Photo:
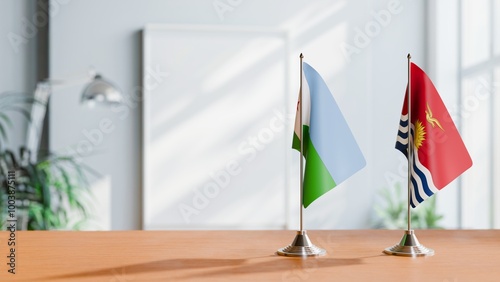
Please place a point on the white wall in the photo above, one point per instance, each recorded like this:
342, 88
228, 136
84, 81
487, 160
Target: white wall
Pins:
17, 57
468, 90
368, 86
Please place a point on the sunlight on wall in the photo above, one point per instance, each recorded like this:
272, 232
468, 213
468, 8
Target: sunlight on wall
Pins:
223, 100
219, 154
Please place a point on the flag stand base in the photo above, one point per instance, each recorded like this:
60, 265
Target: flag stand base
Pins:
301, 247
409, 247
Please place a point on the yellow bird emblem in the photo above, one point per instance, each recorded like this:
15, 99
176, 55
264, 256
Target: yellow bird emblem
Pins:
432, 120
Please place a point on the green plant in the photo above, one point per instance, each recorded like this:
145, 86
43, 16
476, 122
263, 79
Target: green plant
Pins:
47, 189
51, 192
393, 213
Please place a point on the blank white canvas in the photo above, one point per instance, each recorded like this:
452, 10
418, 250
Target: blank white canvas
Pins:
215, 128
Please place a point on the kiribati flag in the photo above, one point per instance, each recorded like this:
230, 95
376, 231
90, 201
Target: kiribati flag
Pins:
439, 154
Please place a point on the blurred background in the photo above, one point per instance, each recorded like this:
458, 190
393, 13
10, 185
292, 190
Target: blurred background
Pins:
201, 136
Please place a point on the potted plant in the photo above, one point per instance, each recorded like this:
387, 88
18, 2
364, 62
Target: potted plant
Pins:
52, 192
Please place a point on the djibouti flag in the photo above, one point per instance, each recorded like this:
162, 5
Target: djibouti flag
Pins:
330, 150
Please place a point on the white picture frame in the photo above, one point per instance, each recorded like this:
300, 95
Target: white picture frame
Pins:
208, 93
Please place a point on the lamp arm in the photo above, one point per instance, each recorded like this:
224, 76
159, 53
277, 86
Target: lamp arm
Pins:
62, 83
39, 109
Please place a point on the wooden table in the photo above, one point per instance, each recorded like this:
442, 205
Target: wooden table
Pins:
461, 255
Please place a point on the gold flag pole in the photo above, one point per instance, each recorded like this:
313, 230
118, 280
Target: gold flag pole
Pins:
409, 245
301, 245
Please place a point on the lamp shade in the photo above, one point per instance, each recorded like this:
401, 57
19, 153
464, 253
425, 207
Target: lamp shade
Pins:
102, 91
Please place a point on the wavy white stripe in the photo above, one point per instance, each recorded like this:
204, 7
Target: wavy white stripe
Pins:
420, 188
428, 176
405, 128
401, 140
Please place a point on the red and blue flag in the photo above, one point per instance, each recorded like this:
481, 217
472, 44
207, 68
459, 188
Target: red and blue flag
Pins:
439, 154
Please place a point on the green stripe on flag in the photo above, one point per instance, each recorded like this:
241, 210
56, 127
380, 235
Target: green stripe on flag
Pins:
317, 179
296, 142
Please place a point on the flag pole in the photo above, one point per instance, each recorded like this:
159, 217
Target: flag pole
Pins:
301, 245
410, 143
409, 246
301, 185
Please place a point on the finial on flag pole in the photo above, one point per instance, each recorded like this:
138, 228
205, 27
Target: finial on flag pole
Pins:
409, 245
301, 245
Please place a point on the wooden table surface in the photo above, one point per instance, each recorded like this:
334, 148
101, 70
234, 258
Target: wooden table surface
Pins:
354, 255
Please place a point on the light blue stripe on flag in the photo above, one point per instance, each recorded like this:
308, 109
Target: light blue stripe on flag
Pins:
329, 131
